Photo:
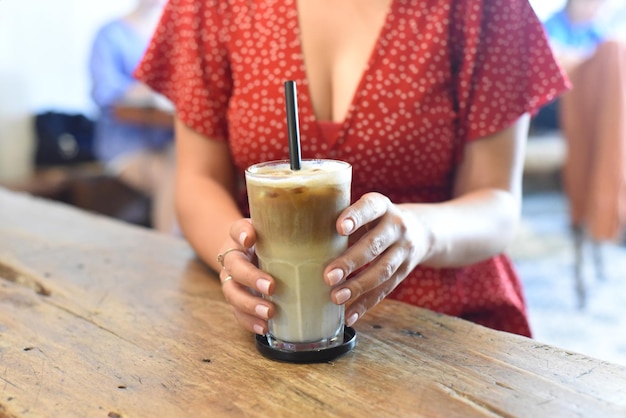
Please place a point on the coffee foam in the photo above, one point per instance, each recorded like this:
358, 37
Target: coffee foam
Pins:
281, 175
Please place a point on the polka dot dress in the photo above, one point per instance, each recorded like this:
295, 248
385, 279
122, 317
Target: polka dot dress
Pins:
442, 73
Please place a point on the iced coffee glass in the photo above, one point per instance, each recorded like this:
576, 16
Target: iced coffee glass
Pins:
294, 214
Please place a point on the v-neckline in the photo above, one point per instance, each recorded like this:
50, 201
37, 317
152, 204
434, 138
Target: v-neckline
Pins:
373, 55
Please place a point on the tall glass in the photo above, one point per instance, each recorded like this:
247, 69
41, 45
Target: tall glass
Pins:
294, 214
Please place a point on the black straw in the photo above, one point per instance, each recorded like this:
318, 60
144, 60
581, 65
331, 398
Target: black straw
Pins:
293, 129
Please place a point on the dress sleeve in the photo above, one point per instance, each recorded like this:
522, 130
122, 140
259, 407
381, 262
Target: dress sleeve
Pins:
187, 61
502, 63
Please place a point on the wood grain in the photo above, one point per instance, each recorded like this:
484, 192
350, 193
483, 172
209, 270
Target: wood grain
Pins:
100, 318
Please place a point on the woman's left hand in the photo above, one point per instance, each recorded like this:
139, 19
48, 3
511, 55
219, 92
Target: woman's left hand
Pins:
390, 243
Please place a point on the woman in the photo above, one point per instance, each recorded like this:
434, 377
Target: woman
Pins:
427, 100
591, 117
574, 34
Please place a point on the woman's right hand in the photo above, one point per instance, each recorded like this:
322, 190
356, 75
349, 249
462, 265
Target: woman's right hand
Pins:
243, 283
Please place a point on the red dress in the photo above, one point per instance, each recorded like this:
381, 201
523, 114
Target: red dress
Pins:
442, 73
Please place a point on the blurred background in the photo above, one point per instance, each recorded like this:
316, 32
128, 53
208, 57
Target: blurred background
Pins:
44, 53
44, 49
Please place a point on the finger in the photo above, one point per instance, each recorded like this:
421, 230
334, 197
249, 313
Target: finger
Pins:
369, 207
245, 302
375, 275
250, 322
233, 255
368, 300
360, 233
242, 232
361, 305
361, 253
238, 264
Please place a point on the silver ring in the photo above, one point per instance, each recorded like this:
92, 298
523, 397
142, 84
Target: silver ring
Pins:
222, 256
227, 278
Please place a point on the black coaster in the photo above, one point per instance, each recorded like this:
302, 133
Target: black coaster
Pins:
315, 356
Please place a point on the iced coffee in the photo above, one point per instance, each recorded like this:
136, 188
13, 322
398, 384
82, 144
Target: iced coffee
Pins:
294, 214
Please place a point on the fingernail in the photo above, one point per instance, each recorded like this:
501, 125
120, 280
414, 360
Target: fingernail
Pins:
343, 295
258, 329
335, 276
242, 239
347, 226
263, 286
352, 319
262, 311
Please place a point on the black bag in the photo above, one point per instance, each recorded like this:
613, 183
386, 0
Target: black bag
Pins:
63, 139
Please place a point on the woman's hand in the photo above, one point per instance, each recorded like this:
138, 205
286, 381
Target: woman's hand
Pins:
391, 240
390, 243
243, 283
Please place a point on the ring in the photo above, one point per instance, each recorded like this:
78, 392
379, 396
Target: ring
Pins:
222, 256
227, 278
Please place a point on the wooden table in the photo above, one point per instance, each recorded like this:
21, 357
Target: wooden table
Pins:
103, 319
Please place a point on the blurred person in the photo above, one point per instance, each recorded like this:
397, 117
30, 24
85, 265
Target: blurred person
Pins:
428, 101
592, 118
574, 33
138, 154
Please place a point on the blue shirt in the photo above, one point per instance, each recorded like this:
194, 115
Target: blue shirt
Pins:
116, 51
583, 37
